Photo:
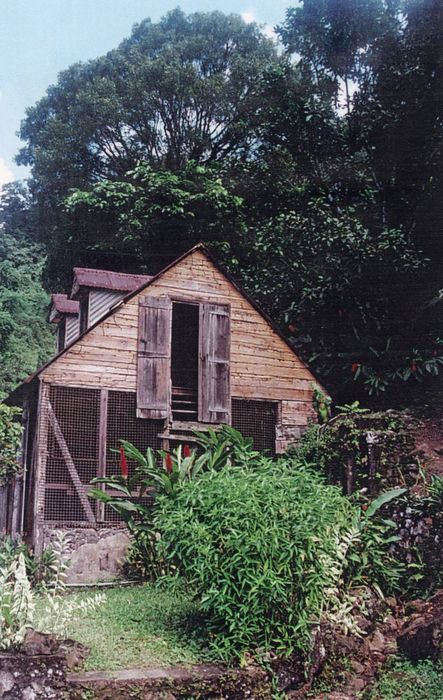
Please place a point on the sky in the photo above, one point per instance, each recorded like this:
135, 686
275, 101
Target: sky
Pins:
40, 38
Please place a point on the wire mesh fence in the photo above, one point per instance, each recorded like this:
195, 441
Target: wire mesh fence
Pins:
73, 446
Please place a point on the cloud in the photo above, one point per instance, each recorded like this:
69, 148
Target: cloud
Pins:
248, 16
6, 174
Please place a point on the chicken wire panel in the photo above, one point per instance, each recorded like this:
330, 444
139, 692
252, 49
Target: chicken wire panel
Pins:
256, 420
77, 412
123, 424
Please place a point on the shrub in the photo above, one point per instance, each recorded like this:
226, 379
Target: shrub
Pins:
10, 441
39, 568
16, 603
17, 599
255, 547
159, 472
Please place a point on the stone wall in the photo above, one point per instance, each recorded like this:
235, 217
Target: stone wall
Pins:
96, 554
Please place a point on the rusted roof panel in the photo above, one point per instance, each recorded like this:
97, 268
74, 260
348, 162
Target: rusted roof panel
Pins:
63, 305
107, 279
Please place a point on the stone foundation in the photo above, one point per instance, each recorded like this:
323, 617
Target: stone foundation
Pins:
96, 554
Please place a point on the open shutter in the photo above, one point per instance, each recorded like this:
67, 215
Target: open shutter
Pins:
214, 384
154, 357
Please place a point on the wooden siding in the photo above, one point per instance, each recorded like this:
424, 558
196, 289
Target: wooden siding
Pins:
262, 365
100, 301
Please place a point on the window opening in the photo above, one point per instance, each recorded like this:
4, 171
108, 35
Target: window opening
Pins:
84, 311
184, 361
61, 335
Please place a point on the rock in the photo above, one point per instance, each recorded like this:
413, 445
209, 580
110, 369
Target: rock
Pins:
28, 694
422, 638
38, 644
356, 686
74, 652
99, 561
6, 682
377, 642
357, 667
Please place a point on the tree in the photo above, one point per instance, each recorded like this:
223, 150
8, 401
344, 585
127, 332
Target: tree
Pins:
174, 91
331, 37
26, 340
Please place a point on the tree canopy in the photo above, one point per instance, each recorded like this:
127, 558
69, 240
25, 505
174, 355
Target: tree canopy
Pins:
26, 340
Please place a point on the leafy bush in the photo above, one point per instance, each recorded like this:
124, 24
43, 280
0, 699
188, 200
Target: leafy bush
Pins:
17, 599
39, 568
255, 547
16, 603
10, 441
159, 472
371, 561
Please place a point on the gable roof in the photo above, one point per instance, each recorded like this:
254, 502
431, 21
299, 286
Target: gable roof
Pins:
106, 279
150, 280
63, 305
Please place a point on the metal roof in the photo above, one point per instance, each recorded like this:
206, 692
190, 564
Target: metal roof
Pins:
107, 279
63, 305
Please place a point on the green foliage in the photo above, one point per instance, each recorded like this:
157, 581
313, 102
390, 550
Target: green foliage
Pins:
371, 562
402, 679
154, 215
39, 568
16, 603
252, 544
158, 473
227, 447
360, 449
420, 517
10, 442
175, 91
26, 340
332, 37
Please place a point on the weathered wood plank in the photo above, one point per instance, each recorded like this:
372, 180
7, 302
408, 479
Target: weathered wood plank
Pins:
102, 447
39, 467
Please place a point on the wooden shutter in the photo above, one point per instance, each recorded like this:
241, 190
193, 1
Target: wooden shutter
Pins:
154, 357
214, 381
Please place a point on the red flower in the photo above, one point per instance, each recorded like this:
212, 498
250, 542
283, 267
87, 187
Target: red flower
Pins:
354, 367
364, 507
123, 463
292, 328
413, 366
168, 463
186, 451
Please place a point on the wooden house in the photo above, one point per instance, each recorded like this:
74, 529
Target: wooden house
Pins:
147, 359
